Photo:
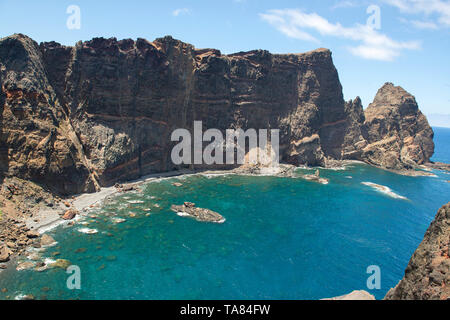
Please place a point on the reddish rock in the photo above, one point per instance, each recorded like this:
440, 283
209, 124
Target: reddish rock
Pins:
70, 214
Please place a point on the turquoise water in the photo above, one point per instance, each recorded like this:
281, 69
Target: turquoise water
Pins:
284, 238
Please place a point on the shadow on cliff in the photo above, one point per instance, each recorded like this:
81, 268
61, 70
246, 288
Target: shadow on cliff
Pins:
4, 161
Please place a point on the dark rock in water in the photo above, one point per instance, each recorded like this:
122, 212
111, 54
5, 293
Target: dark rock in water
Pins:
190, 210
427, 276
438, 166
316, 178
61, 263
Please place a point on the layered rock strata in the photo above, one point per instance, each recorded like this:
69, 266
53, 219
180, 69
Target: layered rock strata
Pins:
74, 119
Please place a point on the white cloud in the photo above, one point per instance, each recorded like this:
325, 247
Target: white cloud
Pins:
420, 24
424, 25
344, 4
437, 9
181, 11
374, 45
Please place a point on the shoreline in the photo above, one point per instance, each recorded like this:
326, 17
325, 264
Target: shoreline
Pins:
51, 218
48, 219
83, 202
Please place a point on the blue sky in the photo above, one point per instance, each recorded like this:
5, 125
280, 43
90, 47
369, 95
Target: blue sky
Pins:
410, 48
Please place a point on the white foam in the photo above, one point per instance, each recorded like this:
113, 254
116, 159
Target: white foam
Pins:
183, 214
88, 231
49, 261
135, 201
20, 296
385, 190
118, 220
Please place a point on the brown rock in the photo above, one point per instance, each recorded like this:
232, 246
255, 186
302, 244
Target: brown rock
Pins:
33, 234
70, 214
5, 253
427, 276
69, 144
47, 240
398, 134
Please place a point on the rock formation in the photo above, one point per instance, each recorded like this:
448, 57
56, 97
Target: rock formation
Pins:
427, 276
74, 119
204, 215
398, 134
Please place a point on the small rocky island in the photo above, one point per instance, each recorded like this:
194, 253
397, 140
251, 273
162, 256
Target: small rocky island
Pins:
189, 209
316, 178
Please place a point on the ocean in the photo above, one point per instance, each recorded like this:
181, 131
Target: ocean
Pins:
283, 238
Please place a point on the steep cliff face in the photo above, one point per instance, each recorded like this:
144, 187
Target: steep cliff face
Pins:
354, 140
427, 275
398, 134
76, 118
36, 138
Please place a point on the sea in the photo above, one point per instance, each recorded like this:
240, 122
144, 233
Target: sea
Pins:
283, 238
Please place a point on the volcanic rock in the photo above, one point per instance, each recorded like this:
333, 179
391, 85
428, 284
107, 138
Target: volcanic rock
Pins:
427, 276
205, 215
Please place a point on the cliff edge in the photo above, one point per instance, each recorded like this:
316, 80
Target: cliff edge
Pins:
74, 119
427, 276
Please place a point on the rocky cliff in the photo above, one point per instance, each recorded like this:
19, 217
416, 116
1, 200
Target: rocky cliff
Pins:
398, 134
427, 275
77, 118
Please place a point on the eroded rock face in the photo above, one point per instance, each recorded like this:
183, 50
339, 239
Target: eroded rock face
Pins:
77, 118
398, 134
427, 276
354, 140
37, 141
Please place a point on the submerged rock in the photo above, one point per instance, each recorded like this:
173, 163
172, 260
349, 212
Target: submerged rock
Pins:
61, 263
25, 266
47, 240
189, 209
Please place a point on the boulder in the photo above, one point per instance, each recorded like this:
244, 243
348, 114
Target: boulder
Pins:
70, 214
25, 266
33, 234
61, 263
47, 240
5, 253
